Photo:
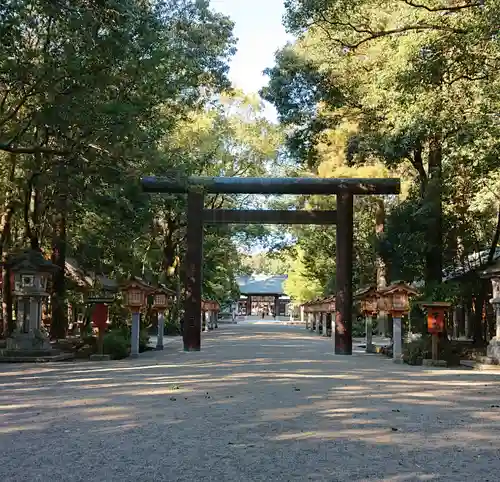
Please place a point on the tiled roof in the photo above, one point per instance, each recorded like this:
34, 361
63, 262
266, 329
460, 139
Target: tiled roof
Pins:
262, 284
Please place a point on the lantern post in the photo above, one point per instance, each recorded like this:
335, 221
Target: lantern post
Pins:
330, 311
162, 299
395, 299
368, 298
135, 292
436, 311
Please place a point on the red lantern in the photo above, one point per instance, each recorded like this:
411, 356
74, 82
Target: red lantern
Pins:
100, 316
435, 322
435, 315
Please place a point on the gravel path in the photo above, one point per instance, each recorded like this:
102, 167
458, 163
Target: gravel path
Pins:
259, 403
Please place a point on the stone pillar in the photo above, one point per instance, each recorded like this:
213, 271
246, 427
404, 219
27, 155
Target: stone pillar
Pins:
369, 319
302, 318
493, 349
325, 324
136, 323
466, 322
276, 306
21, 315
397, 338
34, 313
320, 324
161, 329
455, 317
249, 305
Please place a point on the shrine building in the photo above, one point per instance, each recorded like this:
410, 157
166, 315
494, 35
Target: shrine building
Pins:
263, 294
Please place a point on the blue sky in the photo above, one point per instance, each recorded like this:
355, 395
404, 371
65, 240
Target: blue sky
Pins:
260, 33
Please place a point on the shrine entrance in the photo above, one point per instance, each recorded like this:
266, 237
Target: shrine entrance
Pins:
197, 216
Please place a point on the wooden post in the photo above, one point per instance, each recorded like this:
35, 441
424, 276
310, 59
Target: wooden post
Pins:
100, 340
343, 303
194, 259
435, 347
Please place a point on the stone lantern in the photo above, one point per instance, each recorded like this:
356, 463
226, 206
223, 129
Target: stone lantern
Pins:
369, 301
135, 293
162, 299
31, 272
493, 274
395, 299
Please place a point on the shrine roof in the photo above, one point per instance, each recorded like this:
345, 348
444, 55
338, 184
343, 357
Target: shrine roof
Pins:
262, 284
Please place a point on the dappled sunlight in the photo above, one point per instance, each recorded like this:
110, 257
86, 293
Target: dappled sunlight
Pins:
262, 395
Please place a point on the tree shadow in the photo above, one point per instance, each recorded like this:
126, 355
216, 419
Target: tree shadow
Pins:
257, 403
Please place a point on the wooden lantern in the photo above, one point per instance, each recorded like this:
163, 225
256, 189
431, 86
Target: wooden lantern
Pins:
369, 300
162, 298
135, 293
396, 298
383, 302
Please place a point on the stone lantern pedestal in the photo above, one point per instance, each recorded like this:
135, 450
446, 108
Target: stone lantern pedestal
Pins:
493, 351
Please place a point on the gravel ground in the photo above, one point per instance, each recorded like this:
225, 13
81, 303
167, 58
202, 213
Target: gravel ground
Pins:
259, 403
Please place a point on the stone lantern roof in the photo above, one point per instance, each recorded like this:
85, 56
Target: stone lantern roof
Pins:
492, 271
30, 261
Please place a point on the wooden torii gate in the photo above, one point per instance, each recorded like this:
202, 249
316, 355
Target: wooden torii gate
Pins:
197, 186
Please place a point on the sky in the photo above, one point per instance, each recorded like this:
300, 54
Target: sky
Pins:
260, 33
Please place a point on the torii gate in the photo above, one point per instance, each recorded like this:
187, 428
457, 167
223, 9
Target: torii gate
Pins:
197, 186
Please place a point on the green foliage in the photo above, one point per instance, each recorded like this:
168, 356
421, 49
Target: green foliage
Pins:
172, 328
143, 340
367, 89
417, 350
116, 345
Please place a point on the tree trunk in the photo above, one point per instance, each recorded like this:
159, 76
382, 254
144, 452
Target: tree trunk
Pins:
59, 324
433, 200
379, 232
382, 319
6, 322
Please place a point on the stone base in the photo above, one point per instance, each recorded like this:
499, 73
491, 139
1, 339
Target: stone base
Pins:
134, 355
159, 347
33, 356
370, 348
434, 363
97, 357
493, 350
399, 361
479, 366
28, 341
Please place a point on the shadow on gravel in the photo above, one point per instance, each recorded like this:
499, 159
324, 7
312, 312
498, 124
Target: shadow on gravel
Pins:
257, 403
